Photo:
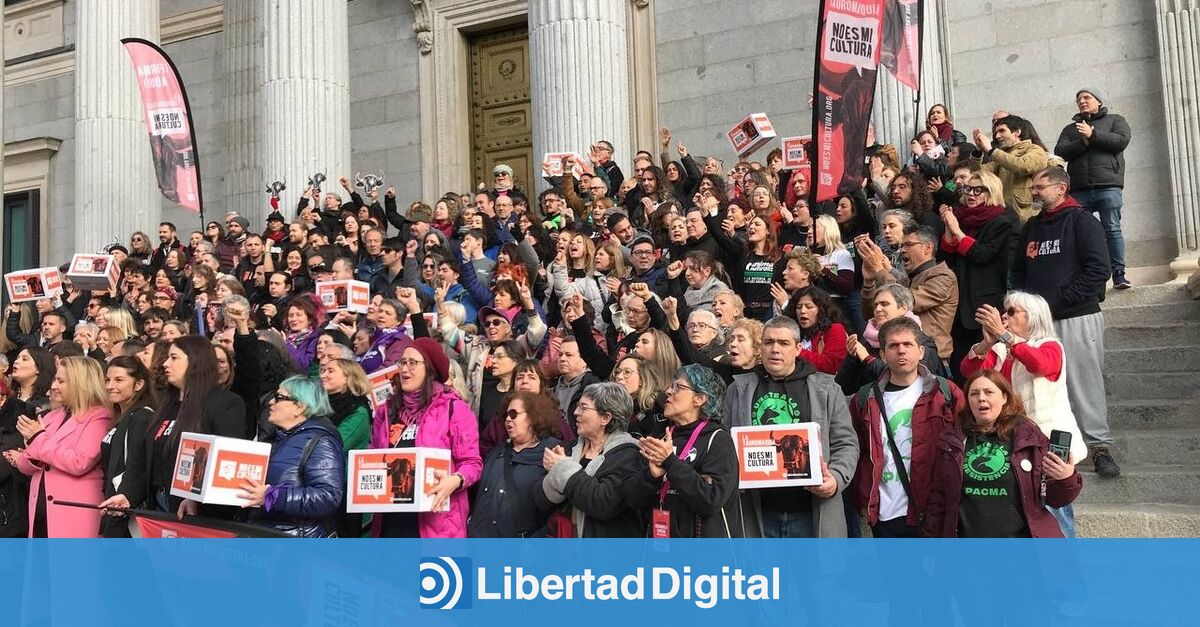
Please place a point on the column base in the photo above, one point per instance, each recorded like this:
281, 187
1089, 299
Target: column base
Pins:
1185, 267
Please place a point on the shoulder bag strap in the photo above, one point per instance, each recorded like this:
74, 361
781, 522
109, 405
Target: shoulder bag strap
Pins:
891, 439
666, 484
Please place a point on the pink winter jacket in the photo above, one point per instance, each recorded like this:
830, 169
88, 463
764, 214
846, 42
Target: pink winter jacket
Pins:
456, 430
67, 453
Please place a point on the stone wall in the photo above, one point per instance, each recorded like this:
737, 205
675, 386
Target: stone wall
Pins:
46, 108
385, 111
718, 61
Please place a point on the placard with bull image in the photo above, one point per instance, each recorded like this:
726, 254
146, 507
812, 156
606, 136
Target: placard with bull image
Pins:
395, 479
210, 468
778, 456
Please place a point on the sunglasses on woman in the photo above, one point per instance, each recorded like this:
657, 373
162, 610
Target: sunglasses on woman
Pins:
974, 190
279, 398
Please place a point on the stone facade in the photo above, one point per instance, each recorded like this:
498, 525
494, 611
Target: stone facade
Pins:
715, 61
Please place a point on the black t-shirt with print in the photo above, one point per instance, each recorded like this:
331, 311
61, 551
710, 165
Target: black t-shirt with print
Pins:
401, 524
991, 501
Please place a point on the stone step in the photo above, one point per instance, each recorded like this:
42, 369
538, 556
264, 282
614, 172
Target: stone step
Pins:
1146, 295
1182, 311
1142, 520
1158, 446
1150, 333
1140, 415
1153, 359
1158, 385
1143, 483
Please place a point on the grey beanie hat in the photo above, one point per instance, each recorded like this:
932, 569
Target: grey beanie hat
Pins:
1095, 94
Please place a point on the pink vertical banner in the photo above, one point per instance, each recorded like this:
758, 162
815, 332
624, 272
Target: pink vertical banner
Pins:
169, 123
849, 38
902, 41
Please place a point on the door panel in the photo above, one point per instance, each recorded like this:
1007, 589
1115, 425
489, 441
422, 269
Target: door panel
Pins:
502, 114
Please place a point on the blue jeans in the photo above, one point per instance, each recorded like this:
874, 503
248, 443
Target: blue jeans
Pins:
1066, 519
787, 524
1106, 202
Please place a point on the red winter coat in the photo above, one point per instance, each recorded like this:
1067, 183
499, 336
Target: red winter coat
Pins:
933, 415
1028, 445
828, 349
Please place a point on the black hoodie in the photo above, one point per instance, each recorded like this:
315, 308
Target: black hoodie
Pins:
1063, 258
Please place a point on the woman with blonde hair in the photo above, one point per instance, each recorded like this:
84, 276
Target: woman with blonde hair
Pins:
977, 247
659, 352
445, 213
838, 270
348, 389
122, 319
645, 385
108, 337
62, 452
610, 261
574, 268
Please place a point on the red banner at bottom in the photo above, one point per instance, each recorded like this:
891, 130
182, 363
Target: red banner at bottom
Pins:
155, 528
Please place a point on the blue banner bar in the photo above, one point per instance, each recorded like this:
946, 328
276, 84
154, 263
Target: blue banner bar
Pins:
615, 583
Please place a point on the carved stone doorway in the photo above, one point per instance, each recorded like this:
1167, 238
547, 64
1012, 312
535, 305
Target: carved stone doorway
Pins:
501, 111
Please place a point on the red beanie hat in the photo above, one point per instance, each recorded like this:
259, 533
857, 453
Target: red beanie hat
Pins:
435, 357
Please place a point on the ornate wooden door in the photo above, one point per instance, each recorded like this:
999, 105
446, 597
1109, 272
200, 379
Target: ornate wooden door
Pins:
501, 112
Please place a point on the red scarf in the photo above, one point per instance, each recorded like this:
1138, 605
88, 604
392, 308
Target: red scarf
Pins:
972, 220
945, 131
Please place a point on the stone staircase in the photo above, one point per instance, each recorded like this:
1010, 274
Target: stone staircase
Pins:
1152, 377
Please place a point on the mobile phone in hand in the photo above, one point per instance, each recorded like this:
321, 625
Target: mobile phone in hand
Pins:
1060, 444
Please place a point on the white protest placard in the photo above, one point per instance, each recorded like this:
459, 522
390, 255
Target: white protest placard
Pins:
94, 272
752, 133
210, 468
33, 284
395, 479
777, 456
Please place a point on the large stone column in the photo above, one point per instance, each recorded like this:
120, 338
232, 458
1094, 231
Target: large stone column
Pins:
115, 186
895, 115
2, 142
1179, 58
244, 182
305, 116
580, 76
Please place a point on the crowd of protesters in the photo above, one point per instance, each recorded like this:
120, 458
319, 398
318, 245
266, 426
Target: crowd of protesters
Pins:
593, 344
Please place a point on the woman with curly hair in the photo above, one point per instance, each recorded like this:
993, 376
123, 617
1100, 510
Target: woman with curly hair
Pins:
822, 334
504, 504
140, 247
445, 214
